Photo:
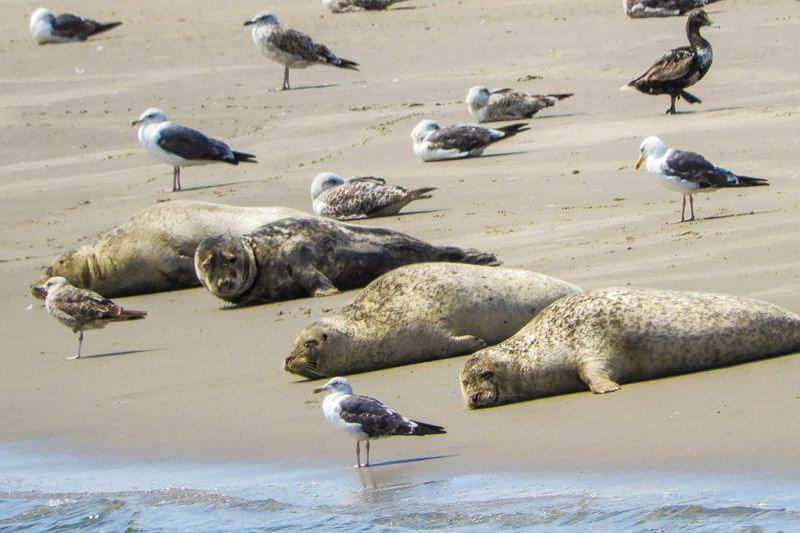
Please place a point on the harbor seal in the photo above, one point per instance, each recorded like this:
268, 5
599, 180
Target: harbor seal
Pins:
297, 257
154, 250
421, 313
619, 335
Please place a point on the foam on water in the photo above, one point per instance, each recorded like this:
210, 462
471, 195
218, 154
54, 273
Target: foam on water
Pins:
42, 491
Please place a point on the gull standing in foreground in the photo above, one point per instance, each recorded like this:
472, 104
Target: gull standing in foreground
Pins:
366, 418
688, 172
66, 28
82, 309
346, 6
291, 48
434, 143
180, 146
360, 197
507, 104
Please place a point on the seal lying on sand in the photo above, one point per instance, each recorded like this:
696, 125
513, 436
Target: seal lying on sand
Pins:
420, 313
608, 336
154, 250
298, 257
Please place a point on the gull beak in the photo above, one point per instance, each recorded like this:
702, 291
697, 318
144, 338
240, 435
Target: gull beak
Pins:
248, 23
39, 291
639, 162
136, 122
320, 389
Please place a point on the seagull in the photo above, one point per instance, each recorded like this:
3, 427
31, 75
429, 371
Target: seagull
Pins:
291, 48
681, 67
366, 418
661, 8
434, 143
507, 104
47, 28
346, 6
688, 172
82, 309
180, 146
360, 196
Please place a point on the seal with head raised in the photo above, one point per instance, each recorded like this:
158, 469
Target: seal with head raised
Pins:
154, 250
604, 337
297, 257
421, 313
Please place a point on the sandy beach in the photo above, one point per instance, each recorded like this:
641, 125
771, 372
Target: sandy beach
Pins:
195, 380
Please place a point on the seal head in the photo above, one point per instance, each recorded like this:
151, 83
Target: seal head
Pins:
225, 265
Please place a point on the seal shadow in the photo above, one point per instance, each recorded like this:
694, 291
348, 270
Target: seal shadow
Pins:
112, 354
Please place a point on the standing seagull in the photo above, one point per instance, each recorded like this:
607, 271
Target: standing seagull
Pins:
688, 172
679, 68
47, 28
366, 418
82, 309
360, 197
346, 6
434, 143
507, 104
291, 48
180, 146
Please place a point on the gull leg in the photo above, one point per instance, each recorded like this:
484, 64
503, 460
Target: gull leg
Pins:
683, 212
691, 205
80, 342
176, 179
286, 78
367, 463
358, 453
671, 110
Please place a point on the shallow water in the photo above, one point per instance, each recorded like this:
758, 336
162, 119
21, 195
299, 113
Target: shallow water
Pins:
40, 491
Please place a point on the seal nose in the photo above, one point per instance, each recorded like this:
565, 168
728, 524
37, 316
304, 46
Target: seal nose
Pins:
475, 398
287, 362
224, 283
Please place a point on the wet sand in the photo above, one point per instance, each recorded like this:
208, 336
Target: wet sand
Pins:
193, 380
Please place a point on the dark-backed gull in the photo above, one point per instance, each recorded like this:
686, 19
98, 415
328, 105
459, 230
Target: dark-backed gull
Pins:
346, 6
82, 309
687, 172
681, 67
291, 48
366, 418
434, 143
661, 8
180, 146
360, 196
66, 28
507, 104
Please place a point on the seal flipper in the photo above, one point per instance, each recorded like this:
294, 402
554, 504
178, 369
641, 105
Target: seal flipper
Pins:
307, 276
466, 344
596, 377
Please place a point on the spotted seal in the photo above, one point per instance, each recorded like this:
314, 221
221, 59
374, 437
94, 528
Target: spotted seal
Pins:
618, 335
420, 313
297, 257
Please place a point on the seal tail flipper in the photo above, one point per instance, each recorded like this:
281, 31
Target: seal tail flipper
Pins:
470, 256
597, 378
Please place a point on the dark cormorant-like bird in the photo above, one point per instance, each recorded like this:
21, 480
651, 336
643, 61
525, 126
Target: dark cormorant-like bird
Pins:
681, 67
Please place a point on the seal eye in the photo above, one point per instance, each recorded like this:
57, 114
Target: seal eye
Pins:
487, 374
324, 336
310, 343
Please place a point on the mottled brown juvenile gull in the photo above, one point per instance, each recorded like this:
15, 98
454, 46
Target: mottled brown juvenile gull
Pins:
180, 146
66, 28
347, 6
82, 309
681, 67
434, 143
366, 418
687, 172
507, 104
291, 48
360, 196
661, 8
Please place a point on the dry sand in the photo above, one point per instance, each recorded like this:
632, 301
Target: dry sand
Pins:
195, 381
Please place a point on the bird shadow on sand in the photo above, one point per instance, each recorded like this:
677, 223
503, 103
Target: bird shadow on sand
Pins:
203, 187
403, 461
697, 111
112, 354
732, 215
